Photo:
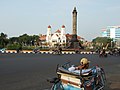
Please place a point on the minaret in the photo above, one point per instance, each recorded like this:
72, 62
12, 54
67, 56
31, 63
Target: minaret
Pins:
74, 21
63, 37
62, 30
48, 37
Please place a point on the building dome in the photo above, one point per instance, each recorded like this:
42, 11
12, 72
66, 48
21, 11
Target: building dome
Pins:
63, 26
49, 26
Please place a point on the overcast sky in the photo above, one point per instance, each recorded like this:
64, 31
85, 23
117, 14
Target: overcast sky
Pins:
18, 17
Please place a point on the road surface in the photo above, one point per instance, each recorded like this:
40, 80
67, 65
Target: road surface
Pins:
30, 71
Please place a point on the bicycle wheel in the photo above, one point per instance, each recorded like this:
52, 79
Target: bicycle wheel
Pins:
57, 86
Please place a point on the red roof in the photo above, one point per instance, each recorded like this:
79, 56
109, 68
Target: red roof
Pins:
58, 31
49, 26
43, 37
78, 37
69, 36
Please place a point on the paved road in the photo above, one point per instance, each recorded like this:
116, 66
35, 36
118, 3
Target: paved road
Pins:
30, 71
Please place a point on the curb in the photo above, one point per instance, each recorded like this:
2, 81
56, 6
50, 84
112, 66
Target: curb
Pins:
47, 52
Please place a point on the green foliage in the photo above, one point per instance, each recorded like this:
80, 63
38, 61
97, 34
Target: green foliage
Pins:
13, 40
18, 42
1, 46
81, 41
3, 40
101, 42
26, 40
28, 47
14, 46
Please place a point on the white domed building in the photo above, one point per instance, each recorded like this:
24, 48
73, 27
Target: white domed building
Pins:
57, 38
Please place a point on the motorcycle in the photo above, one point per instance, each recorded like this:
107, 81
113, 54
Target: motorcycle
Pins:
91, 79
102, 54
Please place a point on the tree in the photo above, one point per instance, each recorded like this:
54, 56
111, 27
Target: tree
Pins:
18, 42
26, 40
13, 40
101, 42
3, 40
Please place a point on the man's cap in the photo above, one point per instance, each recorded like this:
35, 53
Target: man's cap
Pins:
84, 61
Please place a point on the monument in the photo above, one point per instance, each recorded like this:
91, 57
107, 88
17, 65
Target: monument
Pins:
74, 43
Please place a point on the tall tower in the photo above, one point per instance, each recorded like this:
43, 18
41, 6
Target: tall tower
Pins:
74, 43
74, 21
74, 26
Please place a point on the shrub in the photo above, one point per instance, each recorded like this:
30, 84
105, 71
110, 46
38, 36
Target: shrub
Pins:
14, 46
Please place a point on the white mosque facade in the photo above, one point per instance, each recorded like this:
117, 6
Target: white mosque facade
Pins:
57, 38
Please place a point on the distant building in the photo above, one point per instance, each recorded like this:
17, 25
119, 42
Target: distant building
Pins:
112, 32
56, 38
59, 37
